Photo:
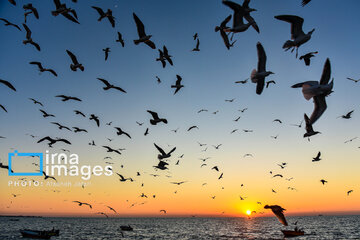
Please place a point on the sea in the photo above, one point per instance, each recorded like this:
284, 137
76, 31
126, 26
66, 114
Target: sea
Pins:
315, 227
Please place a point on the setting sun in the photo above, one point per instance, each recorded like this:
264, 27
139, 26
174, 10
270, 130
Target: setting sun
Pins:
248, 212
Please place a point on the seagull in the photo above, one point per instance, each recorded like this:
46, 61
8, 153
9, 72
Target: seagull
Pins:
229, 100
109, 86
109, 149
309, 129
107, 15
278, 175
217, 146
195, 36
318, 91
75, 64
242, 81
162, 210
178, 183
323, 181
215, 168
77, 112
79, 130
103, 214
167, 56
122, 179
121, 132
258, 76
83, 203
269, 82
45, 114
8, 84
7, 23
120, 39
297, 34
348, 192
354, 80
53, 141
161, 165
243, 110
307, 57
95, 118
162, 154
63, 10
196, 49
106, 50
178, 84
317, 158
158, 80
277, 120
61, 126
142, 35
146, 132
41, 69
248, 155
67, 98
237, 119
47, 176
223, 34
161, 58
279, 213
156, 118
221, 176
350, 140
241, 12
29, 39
347, 116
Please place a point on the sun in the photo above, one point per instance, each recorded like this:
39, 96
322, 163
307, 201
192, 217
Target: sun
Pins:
248, 212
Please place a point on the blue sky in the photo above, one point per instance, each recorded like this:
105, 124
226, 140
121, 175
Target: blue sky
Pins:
208, 76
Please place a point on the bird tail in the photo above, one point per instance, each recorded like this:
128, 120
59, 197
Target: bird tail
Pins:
82, 68
253, 76
164, 120
136, 42
288, 44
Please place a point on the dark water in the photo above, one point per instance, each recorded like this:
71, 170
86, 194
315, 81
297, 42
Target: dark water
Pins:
316, 227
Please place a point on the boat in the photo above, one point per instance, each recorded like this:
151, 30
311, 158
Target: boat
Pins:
292, 233
126, 228
28, 233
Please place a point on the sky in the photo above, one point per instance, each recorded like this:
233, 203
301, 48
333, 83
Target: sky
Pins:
209, 78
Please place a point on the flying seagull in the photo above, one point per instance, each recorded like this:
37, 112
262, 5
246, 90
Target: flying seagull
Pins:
109, 86
318, 91
279, 213
163, 154
307, 57
258, 76
83, 203
75, 64
120, 39
45, 114
196, 49
106, 51
223, 34
156, 118
67, 98
107, 15
178, 84
42, 69
317, 158
53, 141
66, 12
95, 118
142, 35
348, 115
7, 23
29, 39
241, 12
31, 9
304, 2
308, 127
297, 34
121, 132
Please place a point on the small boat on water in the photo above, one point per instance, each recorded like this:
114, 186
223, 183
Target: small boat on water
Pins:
126, 228
28, 233
292, 233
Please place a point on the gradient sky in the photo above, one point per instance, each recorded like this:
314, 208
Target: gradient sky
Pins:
209, 77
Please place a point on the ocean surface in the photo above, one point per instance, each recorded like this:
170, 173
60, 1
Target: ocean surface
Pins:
316, 227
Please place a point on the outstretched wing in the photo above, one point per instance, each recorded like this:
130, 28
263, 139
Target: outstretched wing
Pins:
160, 149
296, 24
319, 108
325, 77
73, 57
99, 10
140, 26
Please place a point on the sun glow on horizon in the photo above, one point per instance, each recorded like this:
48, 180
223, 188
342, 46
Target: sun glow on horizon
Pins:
248, 212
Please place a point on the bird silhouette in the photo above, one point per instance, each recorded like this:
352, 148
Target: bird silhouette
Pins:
347, 116
83, 203
178, 84
68, 13
317, 158
308, 127
307, 57
48, 177
53, 141
67, 98
156, 118
109, 86
279, 213
107, 14
120, 39
95, 118
75, 64
106, 51
31, 9
163, 154
241, 12
121, 132
323, 181
77, 112
143, 37
222, 29
29, 39
7, 23
109, 149
196, 49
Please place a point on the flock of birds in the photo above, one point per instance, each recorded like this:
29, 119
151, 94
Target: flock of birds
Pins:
242, 21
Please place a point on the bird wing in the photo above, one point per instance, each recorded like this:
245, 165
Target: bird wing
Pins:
140, 26
150, 44
325, 77
63, 140
308, 126
111, 20
225, 38
178, 81
280, 215
53, 72
28, 31
261, 57
37, 64
8, 84
73, 57
43, 139
160, 149
36, 45
99, 10
250, 19
153, 114
119, 88
319, 108
57, 4
304, 2
71, 18
172, 150
296, 24
3, 108
238, 12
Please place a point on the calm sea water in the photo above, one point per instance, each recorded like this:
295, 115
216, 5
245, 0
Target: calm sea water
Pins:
316, 227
